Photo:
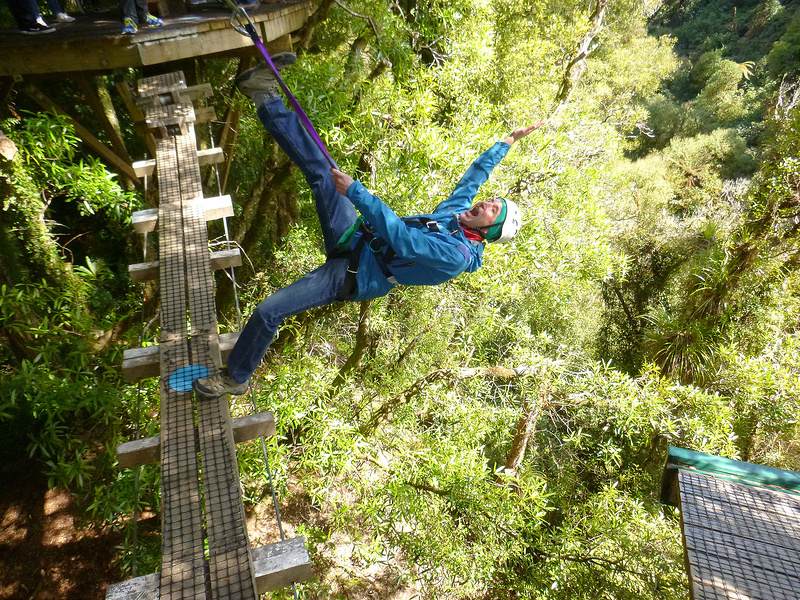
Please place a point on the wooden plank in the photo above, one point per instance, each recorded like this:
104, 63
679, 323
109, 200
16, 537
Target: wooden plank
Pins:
182, 519
226, 39
275, 566
139, 588
143, 363
104, 151
221, 259
204, 114
205, 157
187, 95
172, 114
148, 450
280, 564
216, 207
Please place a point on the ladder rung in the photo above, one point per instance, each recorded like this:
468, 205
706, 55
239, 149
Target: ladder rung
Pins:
141, 363
274, 566
221, 259
148, 450
204, 157
216, 207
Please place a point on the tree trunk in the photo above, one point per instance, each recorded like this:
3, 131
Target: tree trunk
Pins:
577, 65
359, 350
525, 429
315, 19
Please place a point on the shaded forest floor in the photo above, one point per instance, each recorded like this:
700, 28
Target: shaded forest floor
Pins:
45, 554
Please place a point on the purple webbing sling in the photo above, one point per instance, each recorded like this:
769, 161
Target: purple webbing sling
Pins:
295, 104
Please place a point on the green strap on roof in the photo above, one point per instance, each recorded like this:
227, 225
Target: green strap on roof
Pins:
727, 468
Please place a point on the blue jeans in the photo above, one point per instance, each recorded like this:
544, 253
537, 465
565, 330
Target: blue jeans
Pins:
321, 286
24, 12
135, 9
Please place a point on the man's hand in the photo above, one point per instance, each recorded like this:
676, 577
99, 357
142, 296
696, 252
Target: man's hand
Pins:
520, 133
343, 181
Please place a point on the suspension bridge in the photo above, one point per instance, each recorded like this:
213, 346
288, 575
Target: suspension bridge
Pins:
206, 552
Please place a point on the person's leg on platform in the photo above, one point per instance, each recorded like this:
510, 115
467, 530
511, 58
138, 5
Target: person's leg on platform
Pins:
25, 13
318, 288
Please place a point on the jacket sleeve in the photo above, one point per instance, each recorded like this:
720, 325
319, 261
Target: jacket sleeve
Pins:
431, 250
477, 174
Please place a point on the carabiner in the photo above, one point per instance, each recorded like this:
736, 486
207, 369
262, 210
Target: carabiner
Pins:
240, 15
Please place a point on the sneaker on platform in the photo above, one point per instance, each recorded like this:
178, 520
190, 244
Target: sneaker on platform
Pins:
152, 21
129, 26
36, 28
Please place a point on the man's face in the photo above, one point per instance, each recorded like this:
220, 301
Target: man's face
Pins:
482, 214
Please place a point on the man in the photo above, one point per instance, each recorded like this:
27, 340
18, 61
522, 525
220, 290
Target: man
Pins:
367, 255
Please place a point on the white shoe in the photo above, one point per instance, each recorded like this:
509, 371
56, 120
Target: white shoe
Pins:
41, 22
64, 18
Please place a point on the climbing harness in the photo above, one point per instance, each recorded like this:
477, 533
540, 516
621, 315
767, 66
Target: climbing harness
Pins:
242, 23
384, 253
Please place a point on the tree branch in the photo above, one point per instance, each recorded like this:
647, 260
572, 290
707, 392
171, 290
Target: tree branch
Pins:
359, 16
577, 65
360, 348
448, 374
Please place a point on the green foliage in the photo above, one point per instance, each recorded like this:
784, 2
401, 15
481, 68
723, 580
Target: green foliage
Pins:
650, 299
60, 398
782, 59
51, 167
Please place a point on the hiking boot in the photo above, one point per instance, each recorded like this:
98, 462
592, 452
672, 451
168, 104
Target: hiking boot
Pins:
220, 384
258, 83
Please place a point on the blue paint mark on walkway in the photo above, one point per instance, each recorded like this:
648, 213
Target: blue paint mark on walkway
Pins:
182, 379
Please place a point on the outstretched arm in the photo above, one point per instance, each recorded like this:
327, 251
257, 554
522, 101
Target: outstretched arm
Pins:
520, 133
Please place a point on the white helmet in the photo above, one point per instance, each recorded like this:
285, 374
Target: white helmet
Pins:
507, 225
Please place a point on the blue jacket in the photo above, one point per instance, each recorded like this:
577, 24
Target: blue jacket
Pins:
423, 257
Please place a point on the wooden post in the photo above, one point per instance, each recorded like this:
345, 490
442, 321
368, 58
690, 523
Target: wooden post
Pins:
104, 151
230, 129
6, 85
100, 101
136, 113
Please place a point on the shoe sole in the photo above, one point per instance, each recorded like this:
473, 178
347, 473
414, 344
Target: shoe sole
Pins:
255, 79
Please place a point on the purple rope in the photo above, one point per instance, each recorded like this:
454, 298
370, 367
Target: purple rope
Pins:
295, 104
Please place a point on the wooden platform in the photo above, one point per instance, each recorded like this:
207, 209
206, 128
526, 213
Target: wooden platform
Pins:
95, 43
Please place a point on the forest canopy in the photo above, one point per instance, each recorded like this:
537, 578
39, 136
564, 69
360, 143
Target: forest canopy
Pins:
501, 435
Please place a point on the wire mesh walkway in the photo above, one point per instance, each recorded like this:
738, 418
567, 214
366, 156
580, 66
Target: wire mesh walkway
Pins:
201, 495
